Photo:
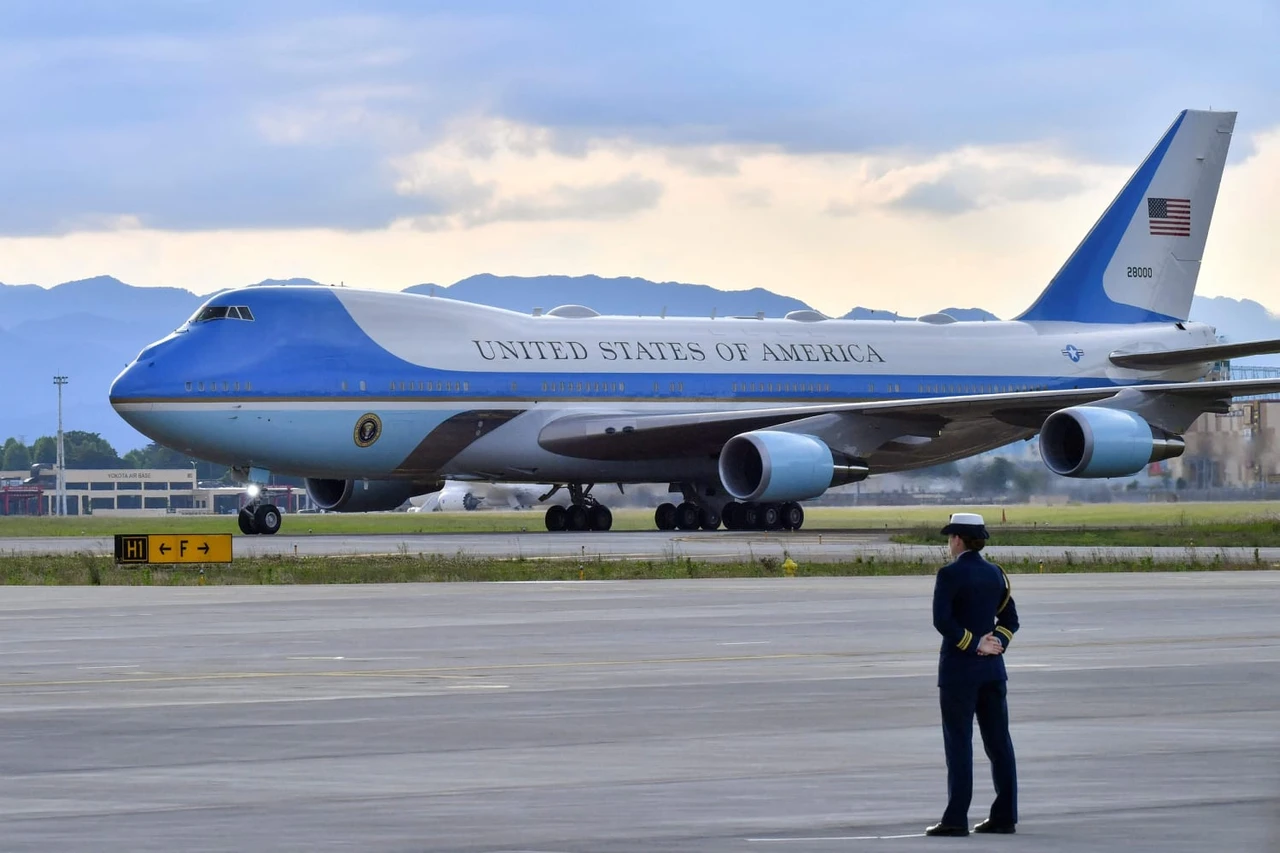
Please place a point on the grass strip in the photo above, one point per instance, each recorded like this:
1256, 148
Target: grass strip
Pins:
86, 569
1249, 534
999, 519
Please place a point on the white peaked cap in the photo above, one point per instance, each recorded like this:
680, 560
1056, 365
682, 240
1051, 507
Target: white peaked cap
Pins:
967, 518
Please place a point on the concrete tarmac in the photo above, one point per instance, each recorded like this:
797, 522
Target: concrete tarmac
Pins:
791, 714
803, 545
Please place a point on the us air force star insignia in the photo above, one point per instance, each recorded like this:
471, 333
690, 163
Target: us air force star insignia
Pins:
1073, 352
368, 428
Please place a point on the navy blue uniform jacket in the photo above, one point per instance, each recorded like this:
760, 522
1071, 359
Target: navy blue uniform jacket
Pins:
972, 598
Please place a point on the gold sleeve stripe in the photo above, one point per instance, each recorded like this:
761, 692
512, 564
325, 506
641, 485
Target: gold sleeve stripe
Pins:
1008, 592
1008, 635
965, 641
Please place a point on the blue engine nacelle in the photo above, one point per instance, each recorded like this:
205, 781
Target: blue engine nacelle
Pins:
1092, 441
364, 495
767, 465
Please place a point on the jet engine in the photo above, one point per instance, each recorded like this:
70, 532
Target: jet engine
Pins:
364, 495
768, 465
1092, 441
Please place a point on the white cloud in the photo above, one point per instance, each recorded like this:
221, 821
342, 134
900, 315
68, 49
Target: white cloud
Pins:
836, 230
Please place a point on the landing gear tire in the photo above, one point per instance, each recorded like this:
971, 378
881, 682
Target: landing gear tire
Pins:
710, 519
599, 517
770, 517
749, 517
266, 518
577, 517
247, 527
792, 516
688, 516
730, 515
557, 518
665, 516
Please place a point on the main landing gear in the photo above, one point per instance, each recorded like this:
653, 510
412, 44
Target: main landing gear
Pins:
583, 513
258, 516
735, 516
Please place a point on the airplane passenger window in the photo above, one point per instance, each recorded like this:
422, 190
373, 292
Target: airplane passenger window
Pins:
188, 386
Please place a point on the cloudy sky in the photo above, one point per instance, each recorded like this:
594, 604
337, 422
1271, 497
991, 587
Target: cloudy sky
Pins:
905, 156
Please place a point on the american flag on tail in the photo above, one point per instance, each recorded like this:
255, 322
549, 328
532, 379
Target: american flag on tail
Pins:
1170, 217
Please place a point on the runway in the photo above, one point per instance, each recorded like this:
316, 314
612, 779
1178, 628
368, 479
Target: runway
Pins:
816, 546
794, 714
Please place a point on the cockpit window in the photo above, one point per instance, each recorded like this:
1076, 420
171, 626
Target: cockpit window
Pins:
222, 312
213, 312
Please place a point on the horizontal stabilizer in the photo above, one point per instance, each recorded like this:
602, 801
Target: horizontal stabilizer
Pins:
1160, 359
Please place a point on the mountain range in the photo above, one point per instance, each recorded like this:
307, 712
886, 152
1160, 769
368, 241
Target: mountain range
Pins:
90, 329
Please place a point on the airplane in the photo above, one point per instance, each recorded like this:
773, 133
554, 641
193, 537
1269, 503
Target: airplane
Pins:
375, 396
459, 495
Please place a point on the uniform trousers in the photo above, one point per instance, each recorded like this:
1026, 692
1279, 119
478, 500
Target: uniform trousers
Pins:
960, 703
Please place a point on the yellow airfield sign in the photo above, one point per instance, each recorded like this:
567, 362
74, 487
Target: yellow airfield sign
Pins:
173, 548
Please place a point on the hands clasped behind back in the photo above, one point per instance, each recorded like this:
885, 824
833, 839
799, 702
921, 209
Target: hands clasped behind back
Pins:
989, 645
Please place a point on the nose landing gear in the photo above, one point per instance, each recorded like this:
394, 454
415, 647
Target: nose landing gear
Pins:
261, 518
259, 515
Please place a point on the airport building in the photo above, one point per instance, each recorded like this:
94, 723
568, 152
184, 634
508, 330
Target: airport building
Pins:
129, 492
1239, 449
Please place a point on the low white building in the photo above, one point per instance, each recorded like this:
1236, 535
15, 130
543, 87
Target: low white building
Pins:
127, 491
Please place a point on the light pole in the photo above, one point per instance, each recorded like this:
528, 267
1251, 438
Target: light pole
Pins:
61, 489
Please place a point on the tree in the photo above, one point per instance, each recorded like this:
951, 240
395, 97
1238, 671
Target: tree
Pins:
15, 457
158, 456
89, 450
45, 450
989, 479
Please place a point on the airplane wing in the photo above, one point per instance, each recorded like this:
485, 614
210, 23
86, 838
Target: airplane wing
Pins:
1157, 359
622, 436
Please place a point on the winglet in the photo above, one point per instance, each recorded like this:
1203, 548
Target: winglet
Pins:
1140, 261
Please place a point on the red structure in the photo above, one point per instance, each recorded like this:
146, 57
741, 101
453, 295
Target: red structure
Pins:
21, 500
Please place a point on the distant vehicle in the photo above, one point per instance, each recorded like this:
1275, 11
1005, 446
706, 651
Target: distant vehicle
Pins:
375, 397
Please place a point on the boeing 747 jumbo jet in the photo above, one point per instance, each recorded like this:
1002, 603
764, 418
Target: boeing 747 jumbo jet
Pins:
375, 396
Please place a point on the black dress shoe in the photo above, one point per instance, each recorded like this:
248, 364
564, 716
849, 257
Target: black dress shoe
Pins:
990, 826
945, 829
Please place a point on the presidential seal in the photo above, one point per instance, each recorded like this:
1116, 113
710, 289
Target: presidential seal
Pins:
368, 428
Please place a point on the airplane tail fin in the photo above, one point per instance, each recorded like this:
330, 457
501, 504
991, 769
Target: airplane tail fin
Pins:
1140, 261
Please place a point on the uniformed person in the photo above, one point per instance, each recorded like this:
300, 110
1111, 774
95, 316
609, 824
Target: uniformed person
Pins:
973, 610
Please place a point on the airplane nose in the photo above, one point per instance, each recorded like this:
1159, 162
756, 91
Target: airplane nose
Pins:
124, 386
